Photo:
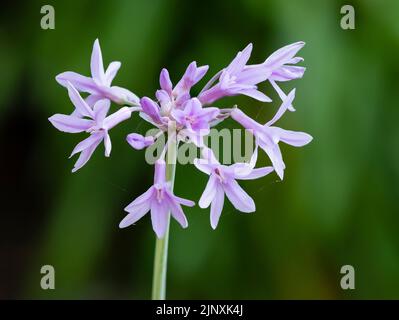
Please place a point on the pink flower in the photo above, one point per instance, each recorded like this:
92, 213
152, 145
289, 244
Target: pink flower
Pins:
268, 136
160, 200
93, 121
195, 119
170, 97
222, 180
99, 85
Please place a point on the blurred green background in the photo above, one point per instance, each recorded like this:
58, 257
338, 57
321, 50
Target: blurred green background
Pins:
337, 205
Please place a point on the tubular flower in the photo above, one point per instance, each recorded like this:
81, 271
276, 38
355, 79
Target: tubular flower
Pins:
222, 181
99, 85
268, 136
94, 121
161, 201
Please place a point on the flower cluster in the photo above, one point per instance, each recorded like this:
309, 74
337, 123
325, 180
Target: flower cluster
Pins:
191, 118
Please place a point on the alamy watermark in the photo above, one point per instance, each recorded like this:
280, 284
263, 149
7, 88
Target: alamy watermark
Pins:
348, 280
47, 281
228, 146
48, 19
348, 18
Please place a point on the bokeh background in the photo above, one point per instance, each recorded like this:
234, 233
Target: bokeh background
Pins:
338, 203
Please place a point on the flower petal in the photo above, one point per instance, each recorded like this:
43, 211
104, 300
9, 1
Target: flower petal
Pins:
70, 124
81, 83
203, 165
185, 202
287, 73
209, 193
111, 72
117, 117
274, 153
85, 155
287, 102
143, 198
257, 173
283, 55
96, 64
293, 138
176, 210
122, 95
101, 109
165, 82
107, 144
138, 142
135, 214
78, 101
256, 94
151, 109
240, 60
87, 143
238, 197
160, 172
159, 217
217, 206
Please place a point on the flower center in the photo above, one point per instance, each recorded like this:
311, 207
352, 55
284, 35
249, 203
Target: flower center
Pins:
159, 194
219, 175
190, 119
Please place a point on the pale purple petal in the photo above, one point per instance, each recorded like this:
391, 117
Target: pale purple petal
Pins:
274, 153
254, 74
135, 214
96, 64
144, 198
159, 217
185, 202
176, 210
92, 99
283, 55
81, 83
245, 121
257, 173
209, 193
160, 172
200, 73
107, 144
209, 156
70, 124
287, 73
203, 165
85, 155
138, 142
122, 95
78, 101
293, 138
117, 117
87, 143
179, 116
165, 82
209, 113
151, 109
217, 206
101, 109
162, 96
240, 60
287, 101
256, 94
238, 197
111, 72
281, 94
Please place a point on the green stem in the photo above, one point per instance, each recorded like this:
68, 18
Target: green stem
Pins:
161, 245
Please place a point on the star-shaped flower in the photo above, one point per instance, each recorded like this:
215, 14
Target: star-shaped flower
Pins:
94, 121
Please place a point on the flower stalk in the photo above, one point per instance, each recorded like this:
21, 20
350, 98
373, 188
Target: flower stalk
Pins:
161, 244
